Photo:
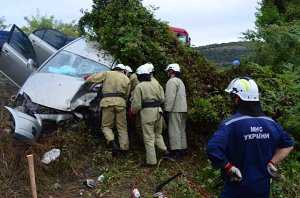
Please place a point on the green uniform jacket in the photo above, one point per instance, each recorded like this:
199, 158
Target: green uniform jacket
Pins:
175, 100
147, 90
113, 82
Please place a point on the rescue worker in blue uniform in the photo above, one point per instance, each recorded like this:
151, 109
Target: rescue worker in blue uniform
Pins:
248, 146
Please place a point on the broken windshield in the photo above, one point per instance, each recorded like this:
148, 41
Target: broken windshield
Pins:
70, 64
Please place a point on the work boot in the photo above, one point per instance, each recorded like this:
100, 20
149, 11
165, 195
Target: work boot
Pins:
175, 155
123, 153
145, 165
168, 155
114, 148
178, 154
183, 152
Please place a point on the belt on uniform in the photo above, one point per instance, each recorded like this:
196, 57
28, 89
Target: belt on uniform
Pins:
113, 95
149, 104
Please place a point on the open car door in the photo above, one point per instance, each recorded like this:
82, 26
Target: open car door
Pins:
47, 41
17, 57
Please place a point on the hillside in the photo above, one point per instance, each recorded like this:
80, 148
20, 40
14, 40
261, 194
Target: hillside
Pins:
225, 53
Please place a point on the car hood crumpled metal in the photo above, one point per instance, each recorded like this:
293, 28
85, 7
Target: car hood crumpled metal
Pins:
52, 90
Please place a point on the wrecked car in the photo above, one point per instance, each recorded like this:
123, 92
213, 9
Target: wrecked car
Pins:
57, 92
26, 53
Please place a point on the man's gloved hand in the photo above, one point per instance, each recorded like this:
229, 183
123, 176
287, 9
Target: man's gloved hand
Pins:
233, 172
272, 170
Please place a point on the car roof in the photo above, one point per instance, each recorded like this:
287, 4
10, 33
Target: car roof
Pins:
91, 50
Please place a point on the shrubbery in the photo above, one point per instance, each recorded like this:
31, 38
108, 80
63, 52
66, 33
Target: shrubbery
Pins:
130, 32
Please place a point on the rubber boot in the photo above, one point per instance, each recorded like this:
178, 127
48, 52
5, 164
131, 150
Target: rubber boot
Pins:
183, 152
123, 153
175, 155
114, 148
169, 155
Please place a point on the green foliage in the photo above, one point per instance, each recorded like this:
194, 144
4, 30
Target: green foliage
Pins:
202, 108
210, 178
2, 23
269, 14
208, 112
225, 53
183, 190
37, 21
291, 121
277, 39
130, 32
132, 35
277, 47
289, 184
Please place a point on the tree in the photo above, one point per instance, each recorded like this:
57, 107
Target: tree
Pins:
132, 35
129, 31
2, 23
277, 39
277, 44
44, 21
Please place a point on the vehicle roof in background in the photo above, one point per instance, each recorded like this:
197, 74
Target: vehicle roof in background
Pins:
46, 29
3, 37
90, 50
179, 30
55, 38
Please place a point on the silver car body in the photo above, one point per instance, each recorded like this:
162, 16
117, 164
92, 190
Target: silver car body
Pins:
47, 41
23, 122
56, 91
18, 54
43, 49
25, 54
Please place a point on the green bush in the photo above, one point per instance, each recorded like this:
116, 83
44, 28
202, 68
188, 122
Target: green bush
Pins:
208, 113
131, 34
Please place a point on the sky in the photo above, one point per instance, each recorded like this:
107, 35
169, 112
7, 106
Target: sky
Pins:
207, 21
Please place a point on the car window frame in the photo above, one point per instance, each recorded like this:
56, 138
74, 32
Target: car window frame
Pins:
41, 29
62, 50
61, 33
24, 34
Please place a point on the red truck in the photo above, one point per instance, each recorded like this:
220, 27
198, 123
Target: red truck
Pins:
182, 35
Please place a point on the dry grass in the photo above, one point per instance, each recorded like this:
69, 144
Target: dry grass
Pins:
82, 157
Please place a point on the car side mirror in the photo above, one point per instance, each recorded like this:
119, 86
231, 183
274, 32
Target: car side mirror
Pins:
31, 64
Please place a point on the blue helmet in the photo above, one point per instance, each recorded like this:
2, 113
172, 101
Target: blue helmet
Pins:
236, 62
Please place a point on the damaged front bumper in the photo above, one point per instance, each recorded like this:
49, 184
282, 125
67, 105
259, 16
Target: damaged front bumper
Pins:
25, 127
29, 128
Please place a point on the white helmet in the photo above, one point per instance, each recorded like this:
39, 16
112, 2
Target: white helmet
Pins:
245, 88
128, 69
174, 66
120, 66
150, 67
143, 69
146, 68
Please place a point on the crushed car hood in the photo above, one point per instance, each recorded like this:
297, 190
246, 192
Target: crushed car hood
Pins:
52, 90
